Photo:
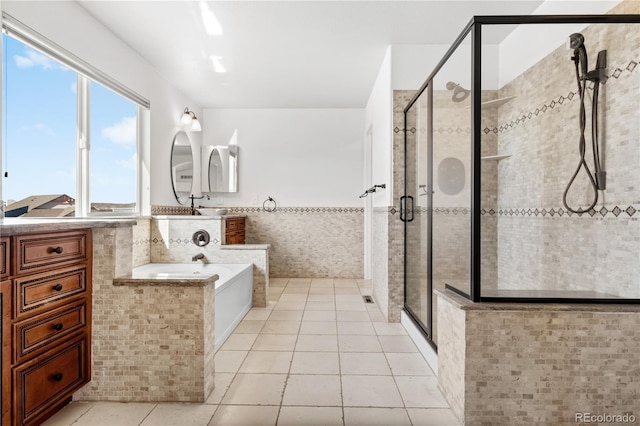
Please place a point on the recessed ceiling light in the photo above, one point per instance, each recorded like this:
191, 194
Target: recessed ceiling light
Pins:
211, 24
217, 65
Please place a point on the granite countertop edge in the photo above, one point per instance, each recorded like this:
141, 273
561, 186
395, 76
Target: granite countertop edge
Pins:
10, 226
129, 281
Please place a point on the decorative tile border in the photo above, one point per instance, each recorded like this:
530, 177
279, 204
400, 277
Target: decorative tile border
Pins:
620, 212
180, 241
180, 210
618, 72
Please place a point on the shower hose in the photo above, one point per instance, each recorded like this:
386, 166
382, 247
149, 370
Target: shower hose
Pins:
582, 88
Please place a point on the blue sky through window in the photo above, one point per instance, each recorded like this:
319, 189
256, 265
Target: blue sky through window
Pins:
39, 105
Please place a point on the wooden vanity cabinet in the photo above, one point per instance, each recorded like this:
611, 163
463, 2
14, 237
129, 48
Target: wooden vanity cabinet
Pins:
234, 230
50, 322
5, 355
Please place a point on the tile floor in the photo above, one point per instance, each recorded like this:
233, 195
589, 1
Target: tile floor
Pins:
317, 355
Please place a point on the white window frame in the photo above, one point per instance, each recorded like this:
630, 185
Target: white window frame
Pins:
86, 74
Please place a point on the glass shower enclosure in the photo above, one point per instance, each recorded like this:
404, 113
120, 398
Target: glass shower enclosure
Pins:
522, 155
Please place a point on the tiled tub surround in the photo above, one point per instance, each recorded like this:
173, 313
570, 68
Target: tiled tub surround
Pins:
537, 363
316, 242
142, 241
171, 242
150, 342
540, 246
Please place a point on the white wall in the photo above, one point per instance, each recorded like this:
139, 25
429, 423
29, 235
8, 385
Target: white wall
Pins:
300, 157
528, 44
70, 26
378, 118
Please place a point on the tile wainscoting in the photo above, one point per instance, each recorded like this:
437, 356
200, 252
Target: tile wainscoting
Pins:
305, 242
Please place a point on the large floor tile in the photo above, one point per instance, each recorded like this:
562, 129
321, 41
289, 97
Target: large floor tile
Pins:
258, 314
266, 362
358, 363
354, 416
356, 328
115, 413
278, 282
249, 326
290, 306
357, 316
69, 414
293, 297
245, 415
389, 329
421, 391
359, 344
315, 363
397, 344
299, 416
281, 327
222, 383
256, 389
229, 361
313, 390
319, 315
350, 306
317, 343
321, 298
370, 391
433, 417
239, 342
345, 282
284, 315
275, 342
318, 327
166, 414
408, 364
321, 290
320, 306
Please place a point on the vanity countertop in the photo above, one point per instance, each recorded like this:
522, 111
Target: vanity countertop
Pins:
12, 226
198, 217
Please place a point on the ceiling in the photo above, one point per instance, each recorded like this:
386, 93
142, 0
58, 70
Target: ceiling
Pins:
284, 54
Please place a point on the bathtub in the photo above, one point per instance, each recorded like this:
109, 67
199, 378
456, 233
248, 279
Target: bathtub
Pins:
234, 288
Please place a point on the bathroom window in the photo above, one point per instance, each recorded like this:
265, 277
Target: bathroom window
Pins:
71, 133
113, 153
39, 153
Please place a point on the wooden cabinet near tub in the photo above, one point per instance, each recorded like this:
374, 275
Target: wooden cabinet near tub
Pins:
49, 321
234, 230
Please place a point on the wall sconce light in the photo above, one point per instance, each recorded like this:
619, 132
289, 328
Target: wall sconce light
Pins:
189, 119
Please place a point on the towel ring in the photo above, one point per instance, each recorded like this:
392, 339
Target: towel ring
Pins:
270, 205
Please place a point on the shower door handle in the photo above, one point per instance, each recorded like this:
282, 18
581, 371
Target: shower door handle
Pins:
404, 210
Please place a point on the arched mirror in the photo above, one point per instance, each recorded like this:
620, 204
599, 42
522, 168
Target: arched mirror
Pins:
181, 167
220, 168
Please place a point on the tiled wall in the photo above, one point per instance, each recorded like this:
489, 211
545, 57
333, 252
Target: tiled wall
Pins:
171, 242
538, 364
540, 245
142, 242
306, 242
141, 352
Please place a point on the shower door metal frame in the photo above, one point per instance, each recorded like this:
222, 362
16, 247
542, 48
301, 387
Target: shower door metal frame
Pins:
426, 329
475, 28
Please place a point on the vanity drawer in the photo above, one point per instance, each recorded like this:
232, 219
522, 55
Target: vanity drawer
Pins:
4, 257
40, 332
41, 384
37, 252
35, 293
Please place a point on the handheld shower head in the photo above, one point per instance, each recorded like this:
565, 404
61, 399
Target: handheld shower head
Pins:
575, 41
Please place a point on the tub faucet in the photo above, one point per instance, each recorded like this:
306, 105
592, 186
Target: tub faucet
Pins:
197, 257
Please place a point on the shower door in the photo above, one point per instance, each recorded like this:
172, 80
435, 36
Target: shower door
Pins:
416, 212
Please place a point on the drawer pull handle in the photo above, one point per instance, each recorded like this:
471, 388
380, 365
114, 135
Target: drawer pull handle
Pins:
57, 377
57, 287
56, 250
57, 326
